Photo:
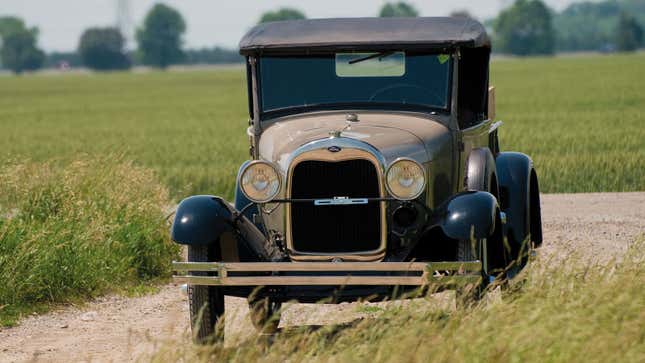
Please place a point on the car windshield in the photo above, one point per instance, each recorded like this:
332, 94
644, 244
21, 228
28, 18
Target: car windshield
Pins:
389, 79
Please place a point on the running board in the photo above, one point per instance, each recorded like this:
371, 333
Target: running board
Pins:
291, 273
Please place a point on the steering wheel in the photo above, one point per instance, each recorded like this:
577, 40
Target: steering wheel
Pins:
395, 86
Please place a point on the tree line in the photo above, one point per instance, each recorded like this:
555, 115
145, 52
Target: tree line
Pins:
159, 44
527, 27
530, 27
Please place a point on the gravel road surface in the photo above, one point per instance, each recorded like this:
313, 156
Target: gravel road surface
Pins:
120, 329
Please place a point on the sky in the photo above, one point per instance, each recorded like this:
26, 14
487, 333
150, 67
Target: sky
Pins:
210, 22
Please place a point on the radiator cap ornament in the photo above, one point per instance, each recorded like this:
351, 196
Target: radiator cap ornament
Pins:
335, 133
351, 117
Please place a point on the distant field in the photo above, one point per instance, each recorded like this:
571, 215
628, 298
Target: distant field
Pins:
188, 126
580, 118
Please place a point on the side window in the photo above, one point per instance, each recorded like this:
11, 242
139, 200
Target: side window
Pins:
473, 87
249, 87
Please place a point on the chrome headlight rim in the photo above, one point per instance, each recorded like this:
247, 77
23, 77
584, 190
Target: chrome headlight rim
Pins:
423, 173
248, 167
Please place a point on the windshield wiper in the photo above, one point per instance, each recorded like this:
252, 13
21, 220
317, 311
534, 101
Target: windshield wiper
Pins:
380, 56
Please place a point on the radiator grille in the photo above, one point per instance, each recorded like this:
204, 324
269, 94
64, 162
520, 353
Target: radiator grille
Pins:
335, 229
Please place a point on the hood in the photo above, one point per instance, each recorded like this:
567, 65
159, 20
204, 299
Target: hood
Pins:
393, 135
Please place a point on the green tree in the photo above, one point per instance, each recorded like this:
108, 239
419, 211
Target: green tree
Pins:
103, 49
160, 38
398, 9
11, 24
461, 14
629, 34
282, 14
19, 52
635, 8
585, 26
525, 28
215, 55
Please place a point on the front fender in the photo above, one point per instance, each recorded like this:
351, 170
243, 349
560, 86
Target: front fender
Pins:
469, 215
202, 219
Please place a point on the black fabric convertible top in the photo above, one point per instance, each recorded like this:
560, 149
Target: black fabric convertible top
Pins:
363, 34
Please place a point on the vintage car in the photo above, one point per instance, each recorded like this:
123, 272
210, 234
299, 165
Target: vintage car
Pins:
375, 170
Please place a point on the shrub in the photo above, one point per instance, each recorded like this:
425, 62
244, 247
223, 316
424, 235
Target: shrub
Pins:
79, 230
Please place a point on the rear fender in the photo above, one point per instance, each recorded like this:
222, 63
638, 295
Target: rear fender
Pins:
515, 172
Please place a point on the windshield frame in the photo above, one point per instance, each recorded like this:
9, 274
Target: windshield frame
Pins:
369, 106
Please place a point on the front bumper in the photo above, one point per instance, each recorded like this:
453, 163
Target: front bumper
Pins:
444, 274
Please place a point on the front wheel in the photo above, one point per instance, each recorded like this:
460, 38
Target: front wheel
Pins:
206, 302
493, 255
474, 250
265, 314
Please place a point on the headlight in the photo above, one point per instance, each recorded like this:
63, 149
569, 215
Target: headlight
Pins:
405, 179
260, 181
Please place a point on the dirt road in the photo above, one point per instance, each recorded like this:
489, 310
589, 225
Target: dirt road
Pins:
120, 329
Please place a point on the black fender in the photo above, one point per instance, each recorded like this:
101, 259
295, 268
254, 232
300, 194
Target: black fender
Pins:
203, 219
469, 215
519, 194
481, 172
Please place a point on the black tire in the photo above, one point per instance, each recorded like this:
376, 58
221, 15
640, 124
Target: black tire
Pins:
526, 249
468, 294
535, 227
468, 250
206, 302
494, 257
265, 314
533, 222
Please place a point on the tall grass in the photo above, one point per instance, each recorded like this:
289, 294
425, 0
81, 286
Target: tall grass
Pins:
562, 310
581, 119
79, 230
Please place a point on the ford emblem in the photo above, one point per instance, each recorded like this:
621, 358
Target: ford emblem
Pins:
334, 149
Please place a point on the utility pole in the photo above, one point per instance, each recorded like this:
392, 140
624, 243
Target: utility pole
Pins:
506, 3
123, 20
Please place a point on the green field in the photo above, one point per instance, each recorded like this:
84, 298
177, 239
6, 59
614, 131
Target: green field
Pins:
580, 118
